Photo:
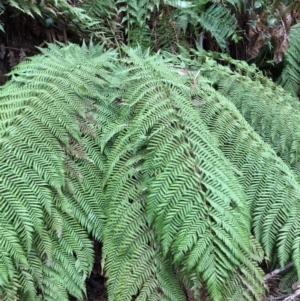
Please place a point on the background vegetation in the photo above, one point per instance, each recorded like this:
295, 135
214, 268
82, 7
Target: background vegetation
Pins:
167, 150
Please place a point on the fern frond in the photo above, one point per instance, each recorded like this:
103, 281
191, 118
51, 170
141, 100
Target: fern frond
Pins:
59, 10
186, 194
244, 286
48, 181
28, 8
135, 14
136, 11
238, 4
288, 280
140, 36
271, 188
275, 121
130, 246
169, 26
219, 21
215, 19
132, 258
289, 78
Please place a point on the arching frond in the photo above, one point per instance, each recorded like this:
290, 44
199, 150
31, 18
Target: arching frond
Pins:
185, 196
48, 194
270, 110
131, 254
271, 188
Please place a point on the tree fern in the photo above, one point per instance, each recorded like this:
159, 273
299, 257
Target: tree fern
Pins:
153, 161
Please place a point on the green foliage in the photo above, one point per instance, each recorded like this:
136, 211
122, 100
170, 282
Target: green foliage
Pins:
49, 194
220, 23
53, 11
239, 5
135, 15
155, 24
52, 179
195, 206
290, 76
150, 155
259, 100
136, 12
215, 19
288, 280
272, 189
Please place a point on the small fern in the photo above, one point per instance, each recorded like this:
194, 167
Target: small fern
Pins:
289, 78
135, 14
219, 21
215, 19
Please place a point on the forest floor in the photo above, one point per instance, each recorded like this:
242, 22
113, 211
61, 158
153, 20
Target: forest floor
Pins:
96, 290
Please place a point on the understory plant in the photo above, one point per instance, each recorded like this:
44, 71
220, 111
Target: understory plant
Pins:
188, 187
